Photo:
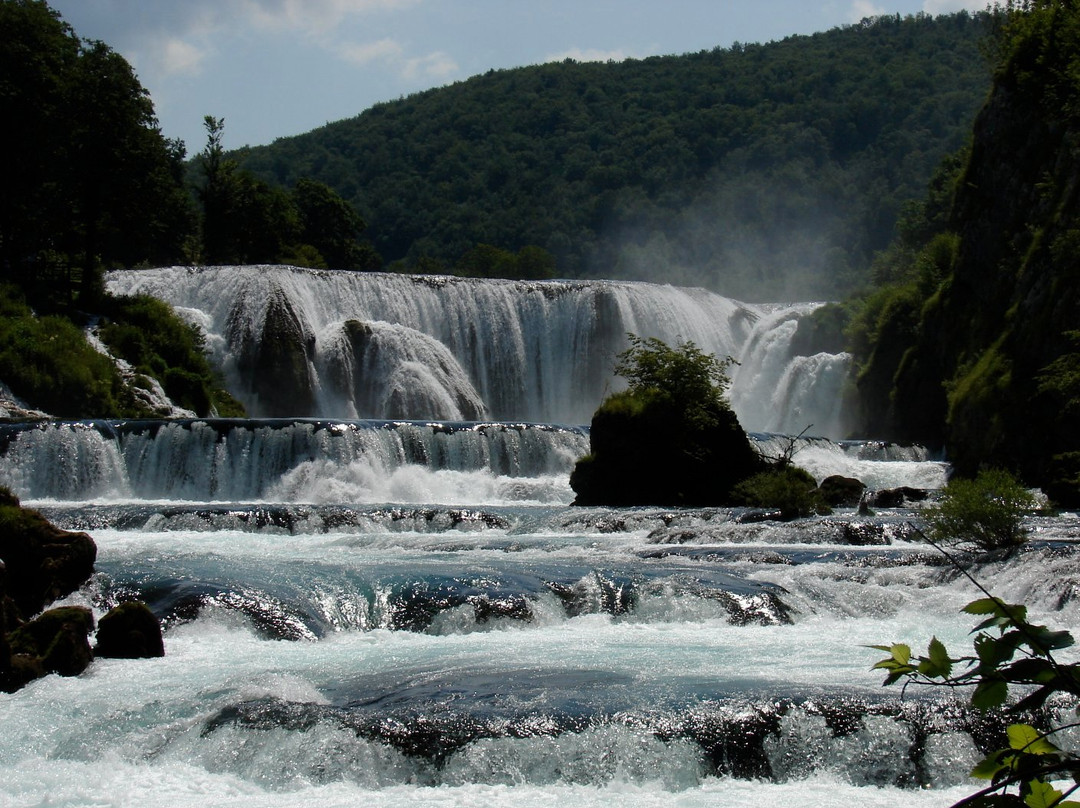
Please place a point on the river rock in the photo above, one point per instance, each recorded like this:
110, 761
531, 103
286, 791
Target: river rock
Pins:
56, 641
842, 492
129, 631
648, 453
44, 563
896, 497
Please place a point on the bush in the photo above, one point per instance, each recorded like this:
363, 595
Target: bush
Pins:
157, 342
1009, 653
48, 363
984, 514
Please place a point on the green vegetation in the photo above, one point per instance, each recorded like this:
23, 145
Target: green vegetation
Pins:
686, 375
48, 362
969, 342
985, 513
248, 221
148, 335
95, 185
763, 171
1009, 651
671, 438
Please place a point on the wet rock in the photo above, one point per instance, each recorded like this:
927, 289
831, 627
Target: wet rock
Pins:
842, 492
896, 497
646, 450
862, 534
44, 563
129, 631
55, 641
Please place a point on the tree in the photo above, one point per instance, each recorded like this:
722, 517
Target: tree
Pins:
91, 179
984, 514
38, 54
245, 220
332, 226
686, 373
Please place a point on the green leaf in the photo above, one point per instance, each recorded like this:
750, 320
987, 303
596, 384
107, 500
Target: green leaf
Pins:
1044, 640
1028, 739
1041, 795
936, 663
990, 765
984, 606
989, 693
1030, 669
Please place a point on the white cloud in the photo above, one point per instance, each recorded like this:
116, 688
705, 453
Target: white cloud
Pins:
362, 54
312, 16
860, 9
949, 6
178, 57
588, 55
436, 65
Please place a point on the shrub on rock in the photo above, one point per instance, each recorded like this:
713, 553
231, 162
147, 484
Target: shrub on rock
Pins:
671, 438
788, 489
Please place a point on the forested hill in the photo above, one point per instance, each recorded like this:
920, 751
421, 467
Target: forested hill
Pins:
761, 171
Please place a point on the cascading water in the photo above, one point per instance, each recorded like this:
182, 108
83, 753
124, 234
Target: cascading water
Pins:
372, 345
408, 612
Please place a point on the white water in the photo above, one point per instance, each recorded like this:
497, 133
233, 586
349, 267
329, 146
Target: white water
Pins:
412, 615
459, 348
326, 462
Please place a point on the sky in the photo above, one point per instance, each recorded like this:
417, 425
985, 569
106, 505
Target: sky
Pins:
275, 68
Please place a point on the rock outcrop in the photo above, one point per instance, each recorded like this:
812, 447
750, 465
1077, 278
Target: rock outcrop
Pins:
39, 564
649, 454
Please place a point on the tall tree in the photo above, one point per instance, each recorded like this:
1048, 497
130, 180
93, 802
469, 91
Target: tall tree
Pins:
245, 220
92, 180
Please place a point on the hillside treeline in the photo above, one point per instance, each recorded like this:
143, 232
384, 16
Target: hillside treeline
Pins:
762, 171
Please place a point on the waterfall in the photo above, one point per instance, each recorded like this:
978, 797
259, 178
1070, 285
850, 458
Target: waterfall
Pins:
296, 342
284, 460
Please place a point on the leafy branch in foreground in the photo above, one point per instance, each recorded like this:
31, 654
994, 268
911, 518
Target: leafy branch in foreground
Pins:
1010, 653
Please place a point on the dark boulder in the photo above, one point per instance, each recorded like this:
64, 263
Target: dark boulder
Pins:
842, 492
56, 641
129, 631
644, 451
44, 563
896, 497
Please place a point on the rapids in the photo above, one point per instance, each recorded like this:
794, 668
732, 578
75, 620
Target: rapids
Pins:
396, 613
386, 599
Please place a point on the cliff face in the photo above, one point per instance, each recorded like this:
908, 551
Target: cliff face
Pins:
990, 369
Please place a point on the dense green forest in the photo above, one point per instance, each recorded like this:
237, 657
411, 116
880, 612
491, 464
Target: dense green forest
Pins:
762, 171
971, 343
